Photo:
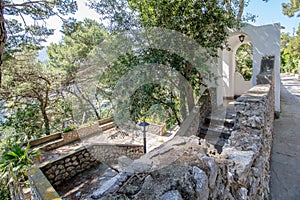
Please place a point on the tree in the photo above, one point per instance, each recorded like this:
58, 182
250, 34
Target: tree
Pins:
291, 8
28, 82
73, 52
17, 31
244, 61
24, 121
290, 52
237, 7
204, 21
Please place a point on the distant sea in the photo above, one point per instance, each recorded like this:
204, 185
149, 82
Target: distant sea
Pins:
42, 56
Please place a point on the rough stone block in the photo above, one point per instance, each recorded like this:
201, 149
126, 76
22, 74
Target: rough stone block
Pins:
171, 195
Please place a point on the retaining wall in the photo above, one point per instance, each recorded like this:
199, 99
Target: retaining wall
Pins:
60, 170
68, 166
40, 187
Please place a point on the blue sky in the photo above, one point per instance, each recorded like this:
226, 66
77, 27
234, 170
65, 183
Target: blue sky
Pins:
271, 12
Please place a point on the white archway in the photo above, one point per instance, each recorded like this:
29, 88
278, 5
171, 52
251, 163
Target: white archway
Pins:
266, 42
234, 82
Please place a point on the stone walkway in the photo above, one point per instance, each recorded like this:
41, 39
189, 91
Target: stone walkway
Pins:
285, 159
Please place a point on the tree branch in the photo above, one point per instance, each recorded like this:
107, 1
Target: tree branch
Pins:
24, 4
241, 10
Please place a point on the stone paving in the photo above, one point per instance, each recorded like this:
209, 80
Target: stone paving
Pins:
285, 159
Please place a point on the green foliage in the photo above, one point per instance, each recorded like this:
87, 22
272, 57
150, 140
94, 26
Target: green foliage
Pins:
204, 21
244, 61
25, 121
291, 8
21, 31
150, 94
78, 43
15, 160
290, 52
69, 128
156, 114
72, 53
28, 84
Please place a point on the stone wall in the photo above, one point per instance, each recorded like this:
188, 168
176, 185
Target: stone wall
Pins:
190, 168
245, 161
42, 140
40, 187
109, 154
57, 140
68, 166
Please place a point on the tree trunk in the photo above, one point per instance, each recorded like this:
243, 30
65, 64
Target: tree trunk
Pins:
187, 100
45, 118
183, 109
3, 36
89, 102
241, 10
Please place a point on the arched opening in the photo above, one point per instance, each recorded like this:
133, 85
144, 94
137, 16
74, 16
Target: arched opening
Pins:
244, 61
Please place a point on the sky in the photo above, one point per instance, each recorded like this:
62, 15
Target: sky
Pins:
267, 13
271, 12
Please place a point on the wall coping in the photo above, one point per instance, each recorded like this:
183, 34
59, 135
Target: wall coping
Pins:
255, 94
43, 164
42, 186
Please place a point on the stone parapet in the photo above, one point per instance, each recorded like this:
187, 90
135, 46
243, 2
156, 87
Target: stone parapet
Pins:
40, 187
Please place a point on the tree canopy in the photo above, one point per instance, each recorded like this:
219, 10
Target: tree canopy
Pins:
28, 83
77, 46
23, 24
291, 8
290, 52
204, 21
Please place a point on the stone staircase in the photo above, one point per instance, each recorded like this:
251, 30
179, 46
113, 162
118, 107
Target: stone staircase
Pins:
217, 127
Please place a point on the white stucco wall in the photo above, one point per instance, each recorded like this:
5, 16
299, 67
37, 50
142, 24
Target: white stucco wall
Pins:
241, 86
266, 42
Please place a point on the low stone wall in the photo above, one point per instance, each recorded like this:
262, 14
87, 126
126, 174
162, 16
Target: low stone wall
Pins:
109, 153
244, 163
45, 139
60, 139
72, 136
40, 187
68, 166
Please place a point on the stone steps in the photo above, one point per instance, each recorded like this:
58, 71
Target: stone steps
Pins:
218, 126
222, 116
